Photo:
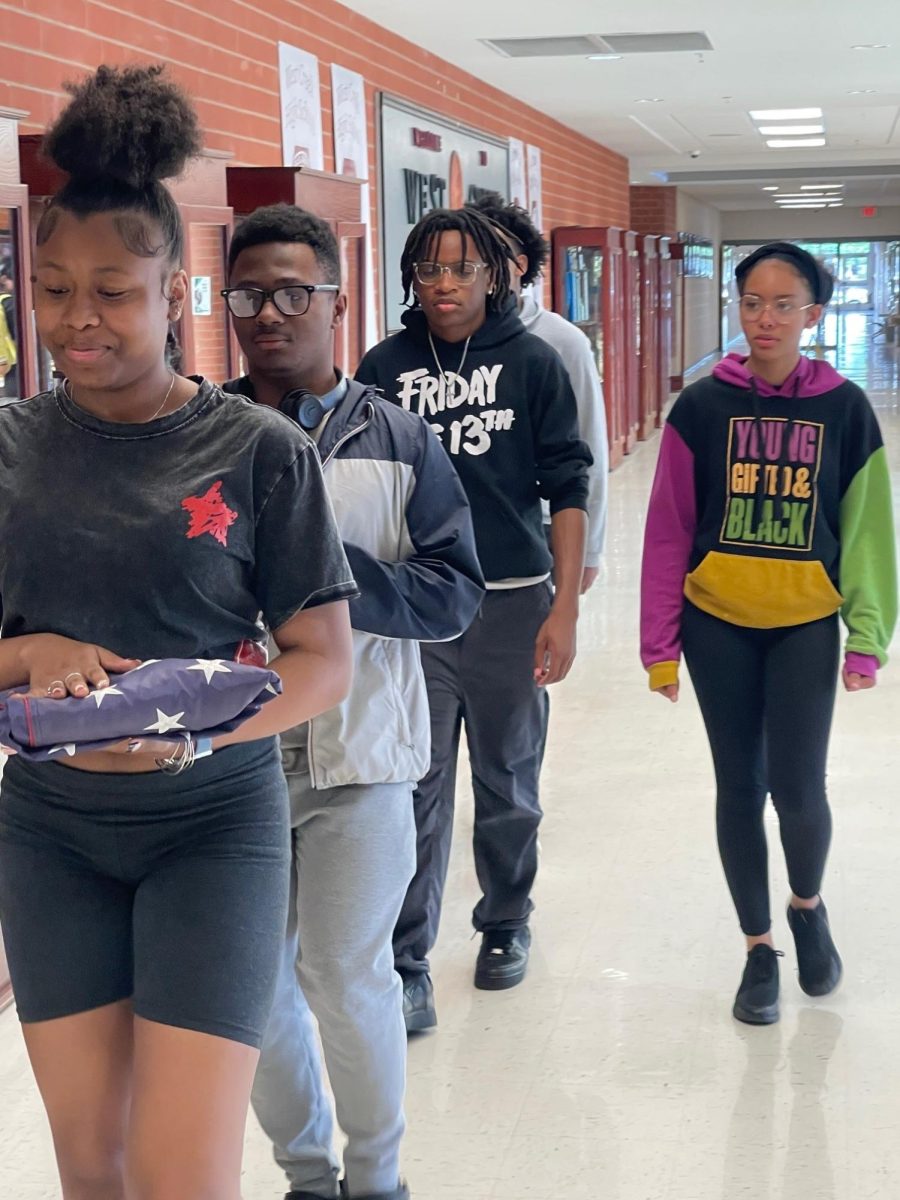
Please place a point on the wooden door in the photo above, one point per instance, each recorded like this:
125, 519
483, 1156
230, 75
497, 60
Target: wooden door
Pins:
350, 344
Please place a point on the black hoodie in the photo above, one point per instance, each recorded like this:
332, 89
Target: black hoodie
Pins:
509, 422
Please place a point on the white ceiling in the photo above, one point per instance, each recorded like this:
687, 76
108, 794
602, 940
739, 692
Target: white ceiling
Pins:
767, 54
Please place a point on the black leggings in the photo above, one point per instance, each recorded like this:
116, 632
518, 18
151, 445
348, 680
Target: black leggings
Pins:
767, 698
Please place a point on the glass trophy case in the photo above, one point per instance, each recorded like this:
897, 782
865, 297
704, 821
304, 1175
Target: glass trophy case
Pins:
588, 290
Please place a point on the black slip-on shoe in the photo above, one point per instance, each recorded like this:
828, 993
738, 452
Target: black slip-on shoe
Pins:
756, 1002
502, 959
818, 962
418, 1003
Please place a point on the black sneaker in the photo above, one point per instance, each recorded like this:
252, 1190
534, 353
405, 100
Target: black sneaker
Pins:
756, 1002
818, 961
418, 1003
502, 959
304, 1196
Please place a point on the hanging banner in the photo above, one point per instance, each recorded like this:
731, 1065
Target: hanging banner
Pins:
428, 161
518, 179
348, 107
351, 157
301, 109
535, 201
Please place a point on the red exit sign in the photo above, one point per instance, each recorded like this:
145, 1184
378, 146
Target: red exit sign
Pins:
426, 140
870, 211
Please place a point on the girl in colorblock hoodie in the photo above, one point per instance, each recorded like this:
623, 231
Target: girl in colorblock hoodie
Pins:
770, 515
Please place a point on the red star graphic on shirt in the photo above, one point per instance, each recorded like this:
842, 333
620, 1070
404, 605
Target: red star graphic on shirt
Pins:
210, 514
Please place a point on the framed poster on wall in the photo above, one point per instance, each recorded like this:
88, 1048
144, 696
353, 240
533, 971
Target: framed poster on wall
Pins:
535, 187
301, 109
427, 161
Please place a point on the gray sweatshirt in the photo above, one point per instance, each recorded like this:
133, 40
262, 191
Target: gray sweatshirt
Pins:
574, 349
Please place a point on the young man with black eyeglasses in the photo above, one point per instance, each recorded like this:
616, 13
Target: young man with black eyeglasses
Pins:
500, 400
407, 532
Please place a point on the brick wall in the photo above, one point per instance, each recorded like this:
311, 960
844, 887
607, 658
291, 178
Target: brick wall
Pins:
226, 54
654, 210
210, 356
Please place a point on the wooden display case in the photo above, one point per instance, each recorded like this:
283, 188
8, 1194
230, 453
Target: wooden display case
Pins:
15, 257
648, 251
588, 290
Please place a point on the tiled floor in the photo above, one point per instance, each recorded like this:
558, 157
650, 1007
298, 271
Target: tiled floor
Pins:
616, 1072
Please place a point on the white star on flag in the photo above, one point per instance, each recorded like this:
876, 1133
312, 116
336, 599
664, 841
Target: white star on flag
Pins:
163, 723
101, 694
210, 667
69, 749
271, 688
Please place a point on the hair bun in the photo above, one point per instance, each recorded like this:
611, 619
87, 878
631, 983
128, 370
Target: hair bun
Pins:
131, 124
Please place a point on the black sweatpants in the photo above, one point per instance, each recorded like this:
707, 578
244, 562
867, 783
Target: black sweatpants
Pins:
486, 679
767, 698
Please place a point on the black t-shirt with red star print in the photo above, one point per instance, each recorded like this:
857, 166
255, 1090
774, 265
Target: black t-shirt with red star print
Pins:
185, 537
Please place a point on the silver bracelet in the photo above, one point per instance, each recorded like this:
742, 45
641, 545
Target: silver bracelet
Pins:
176, 763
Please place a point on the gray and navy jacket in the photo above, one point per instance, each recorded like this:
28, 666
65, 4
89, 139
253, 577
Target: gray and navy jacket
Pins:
407, 532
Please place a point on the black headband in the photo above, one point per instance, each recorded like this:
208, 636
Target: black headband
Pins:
821, 284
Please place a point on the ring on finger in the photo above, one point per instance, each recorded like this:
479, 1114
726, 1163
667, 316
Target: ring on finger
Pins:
56, 685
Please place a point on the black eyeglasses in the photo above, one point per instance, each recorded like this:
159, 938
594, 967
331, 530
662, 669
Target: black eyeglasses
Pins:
291, 301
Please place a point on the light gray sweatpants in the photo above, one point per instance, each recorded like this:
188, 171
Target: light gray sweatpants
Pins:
354, 856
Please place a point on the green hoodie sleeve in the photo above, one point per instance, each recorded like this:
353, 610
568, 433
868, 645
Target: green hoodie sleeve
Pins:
868, 580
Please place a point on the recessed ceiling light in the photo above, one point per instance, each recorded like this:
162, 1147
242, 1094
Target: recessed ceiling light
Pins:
872, 46
794, 143
790, 130
650, 100
604, 57
772, 188
786, 114
821, 187
801, 196
863, 92
836, 204
803, 204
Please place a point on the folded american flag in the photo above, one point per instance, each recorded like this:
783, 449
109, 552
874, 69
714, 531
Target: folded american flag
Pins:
160, 700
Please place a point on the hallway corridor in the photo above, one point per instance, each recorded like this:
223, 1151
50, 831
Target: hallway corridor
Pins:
615, 1072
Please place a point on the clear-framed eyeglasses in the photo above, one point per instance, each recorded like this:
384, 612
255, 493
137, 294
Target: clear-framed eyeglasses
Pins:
291, 301
752, 309
465, 272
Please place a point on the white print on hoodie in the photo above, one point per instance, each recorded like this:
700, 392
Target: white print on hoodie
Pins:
428, 395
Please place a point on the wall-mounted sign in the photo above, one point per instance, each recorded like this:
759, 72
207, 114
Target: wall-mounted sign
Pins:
518, 179
301, 109
535, 187
201, 295
427, 162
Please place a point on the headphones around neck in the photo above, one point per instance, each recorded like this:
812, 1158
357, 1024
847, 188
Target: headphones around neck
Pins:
306, 408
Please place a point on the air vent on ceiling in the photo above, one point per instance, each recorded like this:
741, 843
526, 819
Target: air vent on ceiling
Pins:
584, 45
656, 43
576, 46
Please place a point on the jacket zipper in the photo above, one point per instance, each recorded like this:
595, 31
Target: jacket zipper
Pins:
342, 441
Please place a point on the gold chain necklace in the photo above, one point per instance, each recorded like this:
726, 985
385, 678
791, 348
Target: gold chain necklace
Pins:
147, 420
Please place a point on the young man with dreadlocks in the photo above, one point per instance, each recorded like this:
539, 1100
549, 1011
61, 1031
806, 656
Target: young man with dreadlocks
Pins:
502, 405
530, 251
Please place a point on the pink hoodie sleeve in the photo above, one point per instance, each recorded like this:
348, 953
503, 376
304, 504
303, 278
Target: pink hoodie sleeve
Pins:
668, 538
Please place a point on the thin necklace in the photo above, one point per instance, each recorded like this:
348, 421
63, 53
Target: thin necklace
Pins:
445, 375
147, 420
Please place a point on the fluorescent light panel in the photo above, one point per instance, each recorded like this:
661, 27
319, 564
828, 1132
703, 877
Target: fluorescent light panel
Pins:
790, 130
787, 114
821, 187
794, 143
804, 204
